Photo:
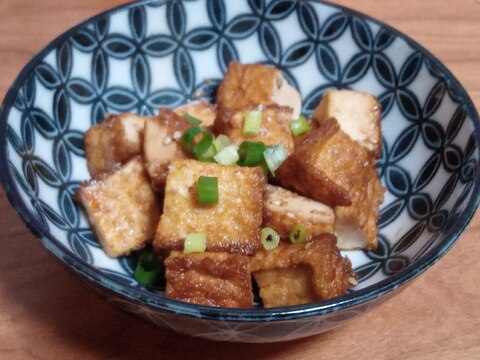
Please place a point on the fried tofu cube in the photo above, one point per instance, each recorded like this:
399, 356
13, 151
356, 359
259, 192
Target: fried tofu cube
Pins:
161, 145
283, 209
232, 225
202, 110
331, 273
274, 128
99, 150
356, 225
285, 286
358, 114
324, 166
253, 84
113, 142
122, 208
213, 279
128, 130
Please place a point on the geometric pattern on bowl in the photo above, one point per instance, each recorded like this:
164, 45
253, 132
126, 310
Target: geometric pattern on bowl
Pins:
165, 53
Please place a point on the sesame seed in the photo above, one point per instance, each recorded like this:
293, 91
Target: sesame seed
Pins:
276, 203
290, 214
167, 140
353, 281
199, 93
177, 135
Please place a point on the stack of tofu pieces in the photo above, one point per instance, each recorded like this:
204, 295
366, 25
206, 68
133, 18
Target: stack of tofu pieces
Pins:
143, 190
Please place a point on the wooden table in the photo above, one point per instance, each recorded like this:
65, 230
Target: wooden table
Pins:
47, 314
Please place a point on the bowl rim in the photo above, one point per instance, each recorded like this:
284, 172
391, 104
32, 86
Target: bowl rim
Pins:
140, 296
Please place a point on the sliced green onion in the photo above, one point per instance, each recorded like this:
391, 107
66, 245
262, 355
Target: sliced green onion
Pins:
251, 153
189, 136
192, 119
208, 155
148, 268
274, 157
228, 156
204, 145
195, 243
252, 123
298, 234
207, 190
299, 126
203, 149
221, 142
269, 238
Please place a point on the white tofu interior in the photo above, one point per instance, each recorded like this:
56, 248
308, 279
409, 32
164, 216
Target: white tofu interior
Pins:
133, 126
349, 236
284, 201
357, 113
286, 95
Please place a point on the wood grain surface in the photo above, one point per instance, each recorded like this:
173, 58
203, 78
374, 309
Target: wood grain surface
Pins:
45, 313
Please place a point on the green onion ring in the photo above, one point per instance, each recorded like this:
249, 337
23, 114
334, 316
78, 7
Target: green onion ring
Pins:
203, 145
269, 238
189, 135
192, 119
228, 155
274, 157
207, 188
147, 269
299, 126
195, 243
298, 234
251, 153
252, 123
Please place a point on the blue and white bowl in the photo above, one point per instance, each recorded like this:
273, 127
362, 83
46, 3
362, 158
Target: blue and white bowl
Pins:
151, 54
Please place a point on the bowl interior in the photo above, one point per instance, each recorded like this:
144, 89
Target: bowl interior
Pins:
166, 53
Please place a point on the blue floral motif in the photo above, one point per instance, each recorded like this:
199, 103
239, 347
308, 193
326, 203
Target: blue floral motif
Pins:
429, 133
384, 259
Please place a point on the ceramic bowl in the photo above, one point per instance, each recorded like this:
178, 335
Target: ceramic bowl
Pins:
150, 54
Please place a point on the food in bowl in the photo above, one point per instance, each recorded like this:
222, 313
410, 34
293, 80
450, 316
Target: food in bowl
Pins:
221, 222
113, 63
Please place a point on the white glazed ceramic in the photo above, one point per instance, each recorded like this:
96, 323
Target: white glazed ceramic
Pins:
151, 54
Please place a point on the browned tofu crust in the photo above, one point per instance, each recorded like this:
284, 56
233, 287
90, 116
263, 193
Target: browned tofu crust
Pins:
213, 279
285, 286
121, 208
356, 225
324, 166
232, 225
284, 209
99, 150
202, 110
274, 129
127, 131
331, 273
246, 84
162, 145
113, 142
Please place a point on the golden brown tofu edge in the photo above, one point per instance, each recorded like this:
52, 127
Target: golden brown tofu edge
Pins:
274, 129
121, 208
214, 279
332, 273
246, 84
232, 225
